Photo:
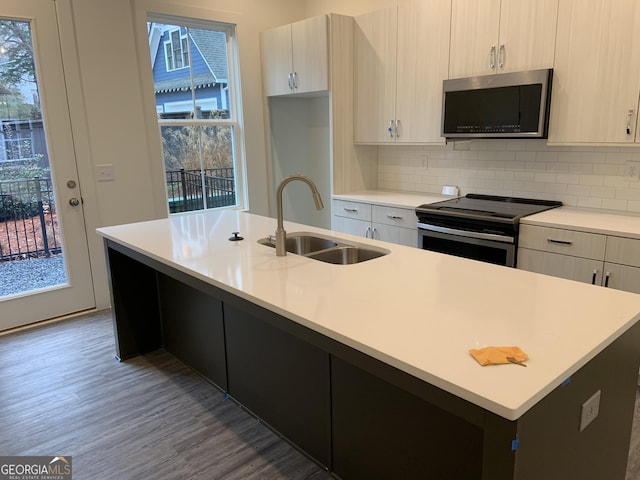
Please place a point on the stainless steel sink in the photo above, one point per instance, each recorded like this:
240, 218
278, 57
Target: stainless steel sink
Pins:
327, 249
301, 243
347, 254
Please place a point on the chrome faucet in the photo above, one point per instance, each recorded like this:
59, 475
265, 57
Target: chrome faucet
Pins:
281, 234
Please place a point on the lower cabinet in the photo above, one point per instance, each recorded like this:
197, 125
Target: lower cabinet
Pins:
193, 328
381, 431
381, 222
605, 260
282, 379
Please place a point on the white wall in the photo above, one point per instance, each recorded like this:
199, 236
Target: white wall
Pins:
114, 123
300, 143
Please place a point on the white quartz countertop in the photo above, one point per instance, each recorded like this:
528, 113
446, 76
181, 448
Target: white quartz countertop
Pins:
586, 220
392, 199
416, 310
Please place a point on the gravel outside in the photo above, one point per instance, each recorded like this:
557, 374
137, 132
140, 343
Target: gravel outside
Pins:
23, 275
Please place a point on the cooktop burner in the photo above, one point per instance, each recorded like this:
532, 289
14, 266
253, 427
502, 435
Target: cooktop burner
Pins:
491, 207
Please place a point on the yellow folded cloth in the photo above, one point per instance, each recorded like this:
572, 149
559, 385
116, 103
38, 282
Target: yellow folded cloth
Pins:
498, 355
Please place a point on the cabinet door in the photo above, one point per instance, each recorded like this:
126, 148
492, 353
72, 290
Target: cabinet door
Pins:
563, 266
374, 44
351, 225
596, 77
398, 235
310, 46
281, 378
623, 277
527, 35
275, 45
625, 251
422, 65
474, 31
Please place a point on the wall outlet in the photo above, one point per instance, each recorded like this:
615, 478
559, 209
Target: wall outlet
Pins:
590, 410
631, 171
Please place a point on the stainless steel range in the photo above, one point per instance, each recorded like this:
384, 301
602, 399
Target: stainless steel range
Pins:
480, 227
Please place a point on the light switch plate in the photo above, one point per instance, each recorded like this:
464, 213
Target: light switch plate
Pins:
590, 410
104, 173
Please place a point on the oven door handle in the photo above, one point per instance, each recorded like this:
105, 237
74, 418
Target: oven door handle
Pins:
467, 233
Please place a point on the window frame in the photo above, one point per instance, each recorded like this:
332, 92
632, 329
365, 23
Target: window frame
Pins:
235, 120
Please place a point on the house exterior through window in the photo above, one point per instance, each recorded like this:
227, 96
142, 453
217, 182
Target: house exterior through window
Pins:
197, 110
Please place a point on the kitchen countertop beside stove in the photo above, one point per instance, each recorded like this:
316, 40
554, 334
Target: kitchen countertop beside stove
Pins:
416, 310
588, 220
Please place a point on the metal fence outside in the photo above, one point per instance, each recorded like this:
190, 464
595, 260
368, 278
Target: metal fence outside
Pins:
185, 189
28, 222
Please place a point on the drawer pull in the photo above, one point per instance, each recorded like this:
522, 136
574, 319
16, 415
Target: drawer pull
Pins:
593, 278
351, 210
561, 242
394, 217
606, 279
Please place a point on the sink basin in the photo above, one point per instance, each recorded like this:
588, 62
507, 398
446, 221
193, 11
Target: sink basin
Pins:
327, 249
347, 254
301, 243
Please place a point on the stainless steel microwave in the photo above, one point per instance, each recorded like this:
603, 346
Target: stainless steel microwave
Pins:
505, 105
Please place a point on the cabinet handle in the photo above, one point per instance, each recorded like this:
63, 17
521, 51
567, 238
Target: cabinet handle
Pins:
394, 217
351, 210
295, 80
290, 81
606, 279
373, 233
492, 58
397, 128
629, 117
390, 129
561, 242
366, 234
593, 278
501, 57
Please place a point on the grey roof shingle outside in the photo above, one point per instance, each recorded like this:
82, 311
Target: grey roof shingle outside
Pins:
213, 46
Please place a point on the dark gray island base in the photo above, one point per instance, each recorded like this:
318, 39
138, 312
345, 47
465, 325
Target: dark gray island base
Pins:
356, 415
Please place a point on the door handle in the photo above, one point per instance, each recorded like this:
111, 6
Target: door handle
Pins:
74, 202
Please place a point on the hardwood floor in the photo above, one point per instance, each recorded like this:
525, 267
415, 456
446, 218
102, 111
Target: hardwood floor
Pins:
62, 393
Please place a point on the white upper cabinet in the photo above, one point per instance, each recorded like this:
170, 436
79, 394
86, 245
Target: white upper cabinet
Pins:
496, 36
596, 81
295, 57
401, 59
374, 56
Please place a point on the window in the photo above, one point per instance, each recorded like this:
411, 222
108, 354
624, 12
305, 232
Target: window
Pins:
17, 139
176, 50
197, 110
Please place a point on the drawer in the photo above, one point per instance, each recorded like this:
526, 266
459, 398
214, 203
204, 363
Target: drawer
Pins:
625, 251
343, 208
398, 217
565, 242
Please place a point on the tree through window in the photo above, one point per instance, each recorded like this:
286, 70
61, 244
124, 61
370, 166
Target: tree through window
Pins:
197, 114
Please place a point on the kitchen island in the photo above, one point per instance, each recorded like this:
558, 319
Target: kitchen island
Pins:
366, 367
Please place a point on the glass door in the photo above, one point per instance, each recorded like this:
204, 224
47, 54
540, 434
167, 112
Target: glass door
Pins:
44, 260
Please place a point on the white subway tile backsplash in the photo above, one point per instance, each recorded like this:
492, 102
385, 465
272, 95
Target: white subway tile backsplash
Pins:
580, 176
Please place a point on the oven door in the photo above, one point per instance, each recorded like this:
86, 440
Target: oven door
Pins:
486, 247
